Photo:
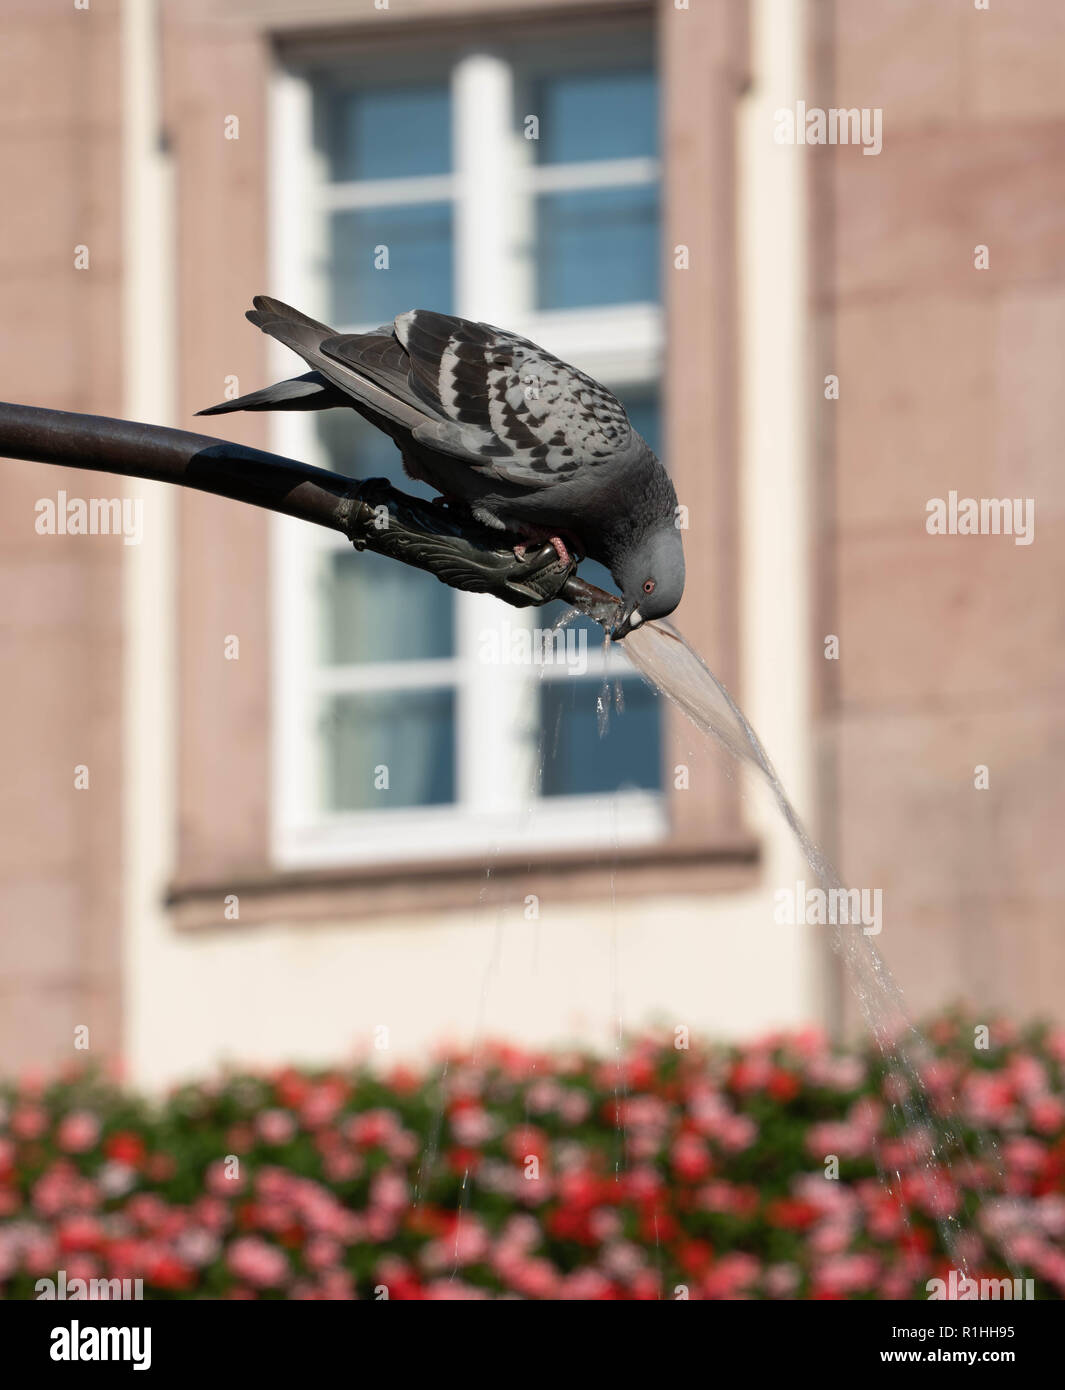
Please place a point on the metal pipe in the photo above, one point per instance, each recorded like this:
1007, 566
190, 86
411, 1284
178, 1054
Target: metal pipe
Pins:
439, 538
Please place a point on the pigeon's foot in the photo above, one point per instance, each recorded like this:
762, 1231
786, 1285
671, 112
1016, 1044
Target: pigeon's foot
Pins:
565, 559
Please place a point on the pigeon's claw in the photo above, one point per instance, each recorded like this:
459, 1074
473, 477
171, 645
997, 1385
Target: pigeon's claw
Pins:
559, 546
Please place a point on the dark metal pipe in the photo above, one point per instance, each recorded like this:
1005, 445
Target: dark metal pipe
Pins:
374, 515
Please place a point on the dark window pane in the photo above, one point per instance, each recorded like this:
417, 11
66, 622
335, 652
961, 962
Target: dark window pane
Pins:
372, 608
419, 271
577, 760
409, 732
599, 247
596, 115
383, 132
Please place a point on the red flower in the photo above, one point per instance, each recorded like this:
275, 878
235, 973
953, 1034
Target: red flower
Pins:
80, 1233
166, 1272
657, 1225
571, 1223
690, 1158
783, 1085
125, 1147
291, 1088
461, 1161
694, 1256
791, 1214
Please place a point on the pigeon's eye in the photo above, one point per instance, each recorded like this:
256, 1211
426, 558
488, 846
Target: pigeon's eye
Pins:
648, 586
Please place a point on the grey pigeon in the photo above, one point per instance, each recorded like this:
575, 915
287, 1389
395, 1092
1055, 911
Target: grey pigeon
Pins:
529, 444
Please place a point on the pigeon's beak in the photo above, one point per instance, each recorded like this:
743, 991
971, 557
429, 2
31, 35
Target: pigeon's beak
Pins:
630, 618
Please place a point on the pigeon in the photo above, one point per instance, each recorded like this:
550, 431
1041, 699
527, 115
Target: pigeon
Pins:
528, 444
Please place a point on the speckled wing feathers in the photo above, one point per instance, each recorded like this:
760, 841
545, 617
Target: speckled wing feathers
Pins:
506, 406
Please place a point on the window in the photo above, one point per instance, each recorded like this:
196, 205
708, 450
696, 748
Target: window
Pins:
519, 187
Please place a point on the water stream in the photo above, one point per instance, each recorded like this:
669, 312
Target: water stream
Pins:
664, 658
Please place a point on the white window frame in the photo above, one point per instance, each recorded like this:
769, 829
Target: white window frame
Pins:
496, 722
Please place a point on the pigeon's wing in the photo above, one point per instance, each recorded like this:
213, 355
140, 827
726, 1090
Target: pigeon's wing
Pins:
494, 400
376, 391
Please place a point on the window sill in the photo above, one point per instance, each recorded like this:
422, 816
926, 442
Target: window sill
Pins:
576, 876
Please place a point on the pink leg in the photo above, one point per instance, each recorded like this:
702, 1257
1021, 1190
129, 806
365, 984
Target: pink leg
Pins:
559, 548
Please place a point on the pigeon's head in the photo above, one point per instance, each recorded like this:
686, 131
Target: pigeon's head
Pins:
651, 577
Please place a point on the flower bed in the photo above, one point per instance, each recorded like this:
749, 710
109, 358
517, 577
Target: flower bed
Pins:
667, 1173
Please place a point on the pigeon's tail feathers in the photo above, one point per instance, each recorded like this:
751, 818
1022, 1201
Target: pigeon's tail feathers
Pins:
267, 308
373, 390
308, 392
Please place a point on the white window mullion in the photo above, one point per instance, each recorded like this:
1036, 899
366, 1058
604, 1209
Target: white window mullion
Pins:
373, 193
294, 774
588, 176
493, 770
482, 99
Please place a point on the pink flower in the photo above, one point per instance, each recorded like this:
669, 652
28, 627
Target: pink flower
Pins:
843, 1139
321, 1253
1024, 1154
1027, 1075
78, 1131
523, 1232
275, 1126
337, 1286
781, 1280
224, 1179
381, 1225
730, 1276
585, 1285
1050, 1214
467, 1244
389, 1191
848, 1274
472, 1126
452, 1291
689, 1157
573, 1107
737, 1132
322, 1104
373, 1129
1047, 1114
342, 1167
830, 1238
29, 1122
211, 1213
197, 1247
535, 1278
543, 1095
622, 1260
258, 1263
